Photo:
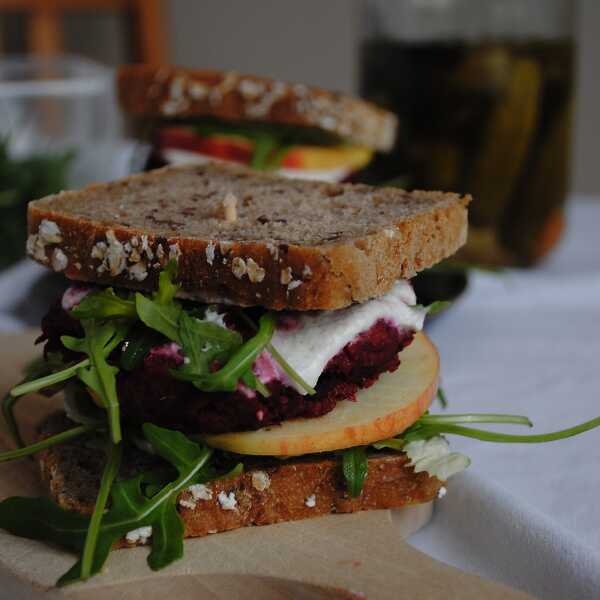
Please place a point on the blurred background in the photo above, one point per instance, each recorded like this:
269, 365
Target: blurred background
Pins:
316, 42
497, 98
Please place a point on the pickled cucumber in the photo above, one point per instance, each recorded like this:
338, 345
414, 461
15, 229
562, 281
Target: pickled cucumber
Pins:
533, 221
506, 140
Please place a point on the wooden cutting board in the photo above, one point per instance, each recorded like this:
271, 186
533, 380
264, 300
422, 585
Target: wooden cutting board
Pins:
361, 555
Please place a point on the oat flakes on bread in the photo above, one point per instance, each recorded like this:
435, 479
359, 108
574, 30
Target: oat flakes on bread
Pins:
171, 92
285, 244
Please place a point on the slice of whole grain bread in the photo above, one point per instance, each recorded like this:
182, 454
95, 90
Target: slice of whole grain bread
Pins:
269, 490
246, 238
173, 92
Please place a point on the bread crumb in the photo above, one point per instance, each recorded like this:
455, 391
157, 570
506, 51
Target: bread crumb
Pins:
187, 503
114, 259
174, 252
59, 260
300, 89
442, 492
210, 253
160, 253
141, 535
230, 208
238, 267
311, 501
215, 317
260, 481
225, 246
250, 88
49, 232
78, 266
146, 248
255, 272
286, 276
99, 250
170, 108
138, 271
197, 90
273, 250
227, 502
200, 491
177, 87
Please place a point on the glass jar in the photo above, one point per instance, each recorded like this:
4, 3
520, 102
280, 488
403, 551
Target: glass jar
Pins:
484, 94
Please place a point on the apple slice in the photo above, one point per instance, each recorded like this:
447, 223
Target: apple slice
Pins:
385, 409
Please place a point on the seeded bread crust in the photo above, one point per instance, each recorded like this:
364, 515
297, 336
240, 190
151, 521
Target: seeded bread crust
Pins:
269, 491
172, 92
294, 244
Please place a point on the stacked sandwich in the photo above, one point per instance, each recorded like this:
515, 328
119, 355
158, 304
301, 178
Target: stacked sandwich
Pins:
219, 321
193, 116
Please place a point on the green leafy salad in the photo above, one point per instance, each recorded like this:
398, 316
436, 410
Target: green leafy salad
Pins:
133, 323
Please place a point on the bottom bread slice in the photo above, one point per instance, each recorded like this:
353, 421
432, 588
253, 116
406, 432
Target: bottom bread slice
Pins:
268, 491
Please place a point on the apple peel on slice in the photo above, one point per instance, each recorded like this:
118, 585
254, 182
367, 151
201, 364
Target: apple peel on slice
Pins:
384, 410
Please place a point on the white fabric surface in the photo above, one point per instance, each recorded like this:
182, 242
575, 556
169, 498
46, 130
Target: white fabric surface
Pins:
527, 342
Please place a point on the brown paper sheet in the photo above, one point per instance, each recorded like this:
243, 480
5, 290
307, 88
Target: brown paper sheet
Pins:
361, 555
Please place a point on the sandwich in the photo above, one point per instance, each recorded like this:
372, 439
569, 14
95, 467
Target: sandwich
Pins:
295, 130
235, 348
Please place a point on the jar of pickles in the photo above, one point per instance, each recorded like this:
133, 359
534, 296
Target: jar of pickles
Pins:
484, 94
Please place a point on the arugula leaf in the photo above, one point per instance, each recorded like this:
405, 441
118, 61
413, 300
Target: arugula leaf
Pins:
111, 469
264, 145
204, 342
99, 376
290, 371
441, 396
164, 318
453, 419
105, 305
167, 288
53, 440
130, 508
78, 345
285, 366
396, 443
137, 345
355, 467
37, 368
505, 438
239, 363
162, 312
429, 426
434, 307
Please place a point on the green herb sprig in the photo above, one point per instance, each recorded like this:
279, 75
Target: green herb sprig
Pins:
39, 367
429, 426
100, 376
239, 363
111, 469
59, 438
355, 467
130, 509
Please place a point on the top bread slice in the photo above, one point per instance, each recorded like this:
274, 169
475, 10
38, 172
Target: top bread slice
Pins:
281, 244
172, 92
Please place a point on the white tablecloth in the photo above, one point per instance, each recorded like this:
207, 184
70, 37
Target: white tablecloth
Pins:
527, 342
